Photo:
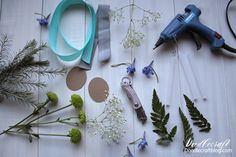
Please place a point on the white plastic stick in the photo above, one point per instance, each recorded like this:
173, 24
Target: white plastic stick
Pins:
203, 96
171, 79
188, 79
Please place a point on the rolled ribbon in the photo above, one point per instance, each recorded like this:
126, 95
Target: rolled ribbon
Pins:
87, 50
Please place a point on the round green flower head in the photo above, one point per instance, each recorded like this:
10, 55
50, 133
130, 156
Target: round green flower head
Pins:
75, 135
82, 117
76, 101
52, 97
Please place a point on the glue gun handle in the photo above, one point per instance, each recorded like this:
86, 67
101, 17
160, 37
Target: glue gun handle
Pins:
213, 37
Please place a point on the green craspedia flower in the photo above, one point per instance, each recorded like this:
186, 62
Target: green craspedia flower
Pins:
76, 101
82, 117
75, 135
52, 97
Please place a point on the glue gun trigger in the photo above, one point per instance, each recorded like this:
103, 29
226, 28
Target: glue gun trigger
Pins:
195, 37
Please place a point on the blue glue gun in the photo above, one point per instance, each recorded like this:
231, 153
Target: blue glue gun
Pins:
189, 22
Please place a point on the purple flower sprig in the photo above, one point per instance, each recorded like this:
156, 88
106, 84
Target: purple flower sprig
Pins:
142, 142
129, 154
130, 67
43, 21
149, 71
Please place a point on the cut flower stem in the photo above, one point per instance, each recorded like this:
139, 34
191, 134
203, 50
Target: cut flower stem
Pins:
40, 134
33, 113
33, 120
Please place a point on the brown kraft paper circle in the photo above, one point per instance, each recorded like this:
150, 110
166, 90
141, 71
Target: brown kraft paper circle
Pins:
98, 89
76, 79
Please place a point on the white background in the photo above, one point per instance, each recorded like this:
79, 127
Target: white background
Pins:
215, 74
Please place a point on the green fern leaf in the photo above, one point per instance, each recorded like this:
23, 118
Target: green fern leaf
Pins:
197, 117
160, 119
173, 131
188, 134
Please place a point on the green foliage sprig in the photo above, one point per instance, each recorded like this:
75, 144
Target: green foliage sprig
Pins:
188, 134
19, 75
160, 119
197, 117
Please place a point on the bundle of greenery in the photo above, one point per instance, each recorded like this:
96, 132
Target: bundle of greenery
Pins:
19, 74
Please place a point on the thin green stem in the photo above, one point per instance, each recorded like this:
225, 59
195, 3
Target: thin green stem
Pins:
46, 114
40, 134
142, 9
135, 141
33, 113
133, 5
54, 121
41, 15
100, 115
123, 7
157, 78
116, 65
70, 123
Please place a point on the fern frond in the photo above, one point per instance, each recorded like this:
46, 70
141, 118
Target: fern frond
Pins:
197, 117
188, 134
160, 119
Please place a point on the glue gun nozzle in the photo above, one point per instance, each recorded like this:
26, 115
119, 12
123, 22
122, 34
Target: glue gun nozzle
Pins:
159, 42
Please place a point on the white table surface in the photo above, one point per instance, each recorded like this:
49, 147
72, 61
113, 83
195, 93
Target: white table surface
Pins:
216, 75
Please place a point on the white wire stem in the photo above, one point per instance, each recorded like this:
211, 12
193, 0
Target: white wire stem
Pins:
188, 82
185, 74
171, 90
203, 96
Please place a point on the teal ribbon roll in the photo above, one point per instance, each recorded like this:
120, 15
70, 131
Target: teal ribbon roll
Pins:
84, 53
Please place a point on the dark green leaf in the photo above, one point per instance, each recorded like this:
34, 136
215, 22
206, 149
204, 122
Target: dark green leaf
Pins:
173, 131
160, 119
188, 134
166, 119
196, 116
30, 138
36, 135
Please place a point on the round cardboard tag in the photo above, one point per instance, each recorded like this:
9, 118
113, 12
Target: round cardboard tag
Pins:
76, 79
98, 89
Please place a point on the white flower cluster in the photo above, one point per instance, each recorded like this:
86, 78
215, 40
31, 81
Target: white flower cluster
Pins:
147, 18
132, 39
117, 16
110, 123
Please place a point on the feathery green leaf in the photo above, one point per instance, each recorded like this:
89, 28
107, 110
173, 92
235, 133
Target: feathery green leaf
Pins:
19, 75
197, 117
188, 134
160, 119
